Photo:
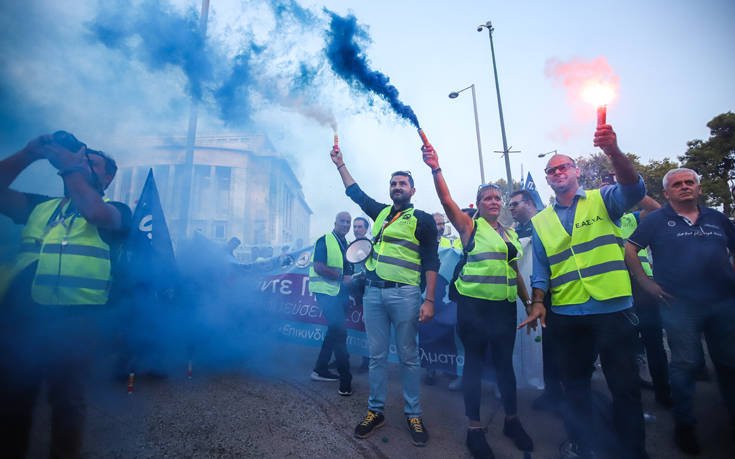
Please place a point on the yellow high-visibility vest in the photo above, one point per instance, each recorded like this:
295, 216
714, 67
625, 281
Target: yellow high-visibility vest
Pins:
73, 261
628, 224
395, 254
320, 284
487, 273
589, 263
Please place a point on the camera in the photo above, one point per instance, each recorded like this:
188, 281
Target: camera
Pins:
67, 140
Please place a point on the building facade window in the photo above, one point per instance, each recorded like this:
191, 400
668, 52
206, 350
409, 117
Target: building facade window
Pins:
222, 198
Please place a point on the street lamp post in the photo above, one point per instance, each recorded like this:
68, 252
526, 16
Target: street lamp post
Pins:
488, 25
541, 155
454, 95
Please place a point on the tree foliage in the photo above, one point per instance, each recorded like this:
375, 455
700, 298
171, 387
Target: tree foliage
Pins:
595, 166
714, 160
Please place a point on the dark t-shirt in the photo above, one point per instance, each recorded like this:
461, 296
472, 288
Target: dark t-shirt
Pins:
320, 253
19, 291
690, 260
425, 229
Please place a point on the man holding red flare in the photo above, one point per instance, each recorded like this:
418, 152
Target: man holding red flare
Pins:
578, 258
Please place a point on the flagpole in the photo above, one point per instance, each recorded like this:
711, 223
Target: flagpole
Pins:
191, 139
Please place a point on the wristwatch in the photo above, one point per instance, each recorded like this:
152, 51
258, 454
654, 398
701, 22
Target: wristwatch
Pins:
528, 302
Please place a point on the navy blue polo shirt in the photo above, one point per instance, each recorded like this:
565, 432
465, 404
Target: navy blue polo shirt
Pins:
690, 259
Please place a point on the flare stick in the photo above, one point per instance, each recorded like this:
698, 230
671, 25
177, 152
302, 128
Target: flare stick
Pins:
601, 115
424, 138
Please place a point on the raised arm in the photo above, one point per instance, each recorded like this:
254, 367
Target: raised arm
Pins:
459, 219
648, 205
13, 203
606, 139
338, 161
75, 169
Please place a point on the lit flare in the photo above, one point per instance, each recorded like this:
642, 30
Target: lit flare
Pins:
599, 93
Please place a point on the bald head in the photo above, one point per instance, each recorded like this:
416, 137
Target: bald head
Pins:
562, 174
342, 223
560, 158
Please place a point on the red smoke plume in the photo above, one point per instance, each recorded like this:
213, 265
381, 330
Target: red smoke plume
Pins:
583, 81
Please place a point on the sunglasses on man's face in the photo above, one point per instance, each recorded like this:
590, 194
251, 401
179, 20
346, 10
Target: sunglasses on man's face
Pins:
561, 168
514, 204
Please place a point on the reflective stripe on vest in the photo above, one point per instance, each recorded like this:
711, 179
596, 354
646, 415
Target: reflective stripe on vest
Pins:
73, 261
590, 262
628, 224
320, 284
487, 273
396, 254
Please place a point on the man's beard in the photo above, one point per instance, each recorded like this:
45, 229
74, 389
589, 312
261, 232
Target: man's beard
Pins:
401, 200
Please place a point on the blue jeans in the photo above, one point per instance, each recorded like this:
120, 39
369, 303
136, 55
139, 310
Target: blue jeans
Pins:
398, 306
685, 322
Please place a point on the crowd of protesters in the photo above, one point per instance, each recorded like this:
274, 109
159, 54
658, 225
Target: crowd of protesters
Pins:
606, 281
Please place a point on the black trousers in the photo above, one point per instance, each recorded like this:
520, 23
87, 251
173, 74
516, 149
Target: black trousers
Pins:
59, 347
334, 309
550, 355
483, 323
650, 327
614, 336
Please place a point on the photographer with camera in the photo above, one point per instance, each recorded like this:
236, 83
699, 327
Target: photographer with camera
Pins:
54, 311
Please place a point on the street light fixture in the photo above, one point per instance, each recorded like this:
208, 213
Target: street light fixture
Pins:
541, 155
489, 26
454, 95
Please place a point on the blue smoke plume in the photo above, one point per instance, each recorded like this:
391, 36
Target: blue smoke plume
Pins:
289, 8
165, 38
349, 62
232, 96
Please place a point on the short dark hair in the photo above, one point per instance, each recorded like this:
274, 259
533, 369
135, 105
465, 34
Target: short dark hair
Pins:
404, 174
527, 196
367, 224
110, 164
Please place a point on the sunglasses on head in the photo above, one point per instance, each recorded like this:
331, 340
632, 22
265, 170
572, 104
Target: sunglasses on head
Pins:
488, 185
561, 168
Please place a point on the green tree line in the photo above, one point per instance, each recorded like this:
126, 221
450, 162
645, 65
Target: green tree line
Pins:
713, 159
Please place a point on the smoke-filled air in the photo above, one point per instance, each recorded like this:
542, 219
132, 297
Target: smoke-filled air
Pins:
221, 236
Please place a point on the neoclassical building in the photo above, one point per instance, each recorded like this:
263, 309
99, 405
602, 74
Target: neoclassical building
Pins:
241, 187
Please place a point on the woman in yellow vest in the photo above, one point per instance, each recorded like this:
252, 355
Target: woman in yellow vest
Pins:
486, 312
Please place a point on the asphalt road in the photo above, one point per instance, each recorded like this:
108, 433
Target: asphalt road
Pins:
282, 413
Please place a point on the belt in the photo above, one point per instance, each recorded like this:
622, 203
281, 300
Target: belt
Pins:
383, 284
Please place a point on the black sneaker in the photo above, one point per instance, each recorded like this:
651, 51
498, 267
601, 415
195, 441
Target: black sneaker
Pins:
345, 388
419, 435
368, 425
477, 444
513, 429
685, 438
323, 376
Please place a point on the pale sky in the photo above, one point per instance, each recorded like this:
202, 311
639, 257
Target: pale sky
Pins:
674, 66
